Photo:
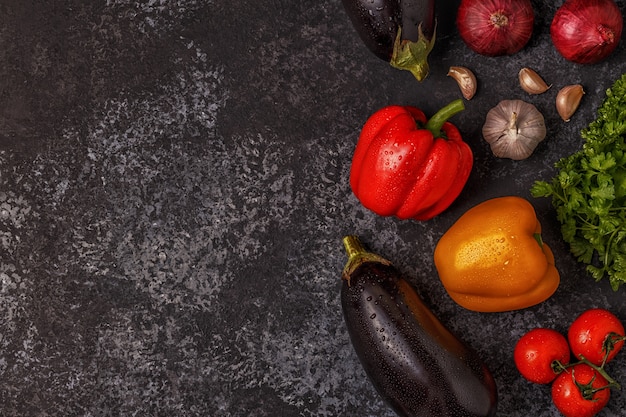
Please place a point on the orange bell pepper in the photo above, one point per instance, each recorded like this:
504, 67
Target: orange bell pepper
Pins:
493, 258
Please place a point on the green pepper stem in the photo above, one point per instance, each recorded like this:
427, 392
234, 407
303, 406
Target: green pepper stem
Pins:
435, 123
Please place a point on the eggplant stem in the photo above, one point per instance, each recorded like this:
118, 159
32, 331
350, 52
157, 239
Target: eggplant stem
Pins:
357, 255
353, 246
435, 123
413, 55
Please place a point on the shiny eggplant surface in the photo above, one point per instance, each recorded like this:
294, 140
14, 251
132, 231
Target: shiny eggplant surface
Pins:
376, 22
415, 363
401, 32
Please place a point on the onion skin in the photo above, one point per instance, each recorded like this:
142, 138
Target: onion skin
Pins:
587, 31
495, 27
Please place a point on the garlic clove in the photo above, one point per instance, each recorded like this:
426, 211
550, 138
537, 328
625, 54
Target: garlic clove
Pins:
531, 82
466, 80
568, 99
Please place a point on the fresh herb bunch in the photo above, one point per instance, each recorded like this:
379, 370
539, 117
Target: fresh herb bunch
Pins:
589, 191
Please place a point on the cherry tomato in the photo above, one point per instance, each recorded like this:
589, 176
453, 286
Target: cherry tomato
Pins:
537, 351
578, 392
588, 335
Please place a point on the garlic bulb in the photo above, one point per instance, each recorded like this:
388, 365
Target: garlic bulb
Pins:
513, 129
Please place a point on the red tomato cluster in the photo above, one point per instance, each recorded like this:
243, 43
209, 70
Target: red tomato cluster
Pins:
582, 387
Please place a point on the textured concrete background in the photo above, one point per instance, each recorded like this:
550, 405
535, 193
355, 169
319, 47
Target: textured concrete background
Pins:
173, 193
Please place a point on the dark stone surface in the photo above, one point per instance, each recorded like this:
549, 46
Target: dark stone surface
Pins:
173, 193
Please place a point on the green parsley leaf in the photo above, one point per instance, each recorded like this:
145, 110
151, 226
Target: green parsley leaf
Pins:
589, 192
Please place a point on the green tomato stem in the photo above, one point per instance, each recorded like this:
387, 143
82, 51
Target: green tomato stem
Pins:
612, 383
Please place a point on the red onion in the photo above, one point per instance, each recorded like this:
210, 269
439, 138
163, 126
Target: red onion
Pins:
495, 27
586, 31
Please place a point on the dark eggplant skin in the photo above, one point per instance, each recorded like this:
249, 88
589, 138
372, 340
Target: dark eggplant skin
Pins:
401, 32
415, 363
416, 13
376, 22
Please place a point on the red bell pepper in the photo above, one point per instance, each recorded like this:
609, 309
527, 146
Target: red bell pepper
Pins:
410, 167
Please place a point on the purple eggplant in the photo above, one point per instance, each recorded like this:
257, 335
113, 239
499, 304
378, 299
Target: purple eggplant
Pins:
415, 363
401, 32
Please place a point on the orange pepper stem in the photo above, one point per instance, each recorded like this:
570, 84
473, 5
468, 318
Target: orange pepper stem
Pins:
435, 123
